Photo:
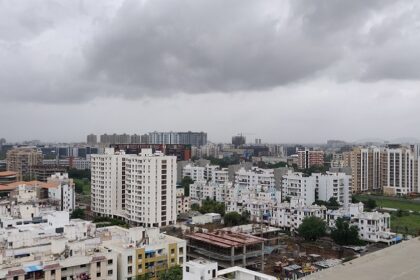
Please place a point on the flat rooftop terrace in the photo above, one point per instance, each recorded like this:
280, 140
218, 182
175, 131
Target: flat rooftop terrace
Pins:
398, 262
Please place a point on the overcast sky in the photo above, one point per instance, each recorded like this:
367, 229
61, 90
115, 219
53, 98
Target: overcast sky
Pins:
283, 71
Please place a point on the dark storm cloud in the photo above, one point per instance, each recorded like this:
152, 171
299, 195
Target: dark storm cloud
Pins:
73, 51
196, 46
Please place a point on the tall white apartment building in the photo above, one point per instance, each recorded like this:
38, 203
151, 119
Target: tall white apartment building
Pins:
335, 185
108, 183
138, 188
254, 177
297, 185
317, 187
401, 169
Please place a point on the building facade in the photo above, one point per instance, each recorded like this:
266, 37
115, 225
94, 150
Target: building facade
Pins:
138, 188
308, 158
21, 160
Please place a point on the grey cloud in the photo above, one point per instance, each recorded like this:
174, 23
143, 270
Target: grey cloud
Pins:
73, 51
195, 46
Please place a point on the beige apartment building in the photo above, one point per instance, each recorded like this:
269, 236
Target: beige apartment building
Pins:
22, 160
393, 170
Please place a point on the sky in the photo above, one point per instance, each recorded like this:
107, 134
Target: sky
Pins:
283, 71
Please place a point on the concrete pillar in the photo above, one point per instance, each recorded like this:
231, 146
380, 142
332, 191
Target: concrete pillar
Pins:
232, 255
244, 256
262, 256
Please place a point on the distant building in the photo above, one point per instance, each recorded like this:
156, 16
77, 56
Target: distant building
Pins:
197, 139
309, 158
43, 172
238, 140
182, 152
22, 160
92, 139
2, 142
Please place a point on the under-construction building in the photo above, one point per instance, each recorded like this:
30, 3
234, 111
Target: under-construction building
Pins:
227, 248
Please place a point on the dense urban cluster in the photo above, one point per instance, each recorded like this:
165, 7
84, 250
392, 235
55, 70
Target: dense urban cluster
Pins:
171, 205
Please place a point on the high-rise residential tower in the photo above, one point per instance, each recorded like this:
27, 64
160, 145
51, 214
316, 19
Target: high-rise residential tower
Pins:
92, 139
138, 188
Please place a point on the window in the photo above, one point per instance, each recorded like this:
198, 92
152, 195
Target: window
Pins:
110, 272
187, 268
98, 264
82, 265
129, 269
109, 261
130, 259
98, 274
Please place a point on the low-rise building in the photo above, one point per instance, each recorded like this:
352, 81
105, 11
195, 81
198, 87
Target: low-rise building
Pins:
227, 248
207, 218
183, 203
202, 269
143, 252
53, 247
58, 192
289, 216
254, 177
372, 226
7, 177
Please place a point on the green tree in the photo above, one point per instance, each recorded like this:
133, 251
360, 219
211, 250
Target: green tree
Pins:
344, 234
195, 207
78, 186
143, 277
312, 228
212, 206
78, 213
173, 273
332, 202
232, 219
185, 183
79, 174
245, 217
370, 204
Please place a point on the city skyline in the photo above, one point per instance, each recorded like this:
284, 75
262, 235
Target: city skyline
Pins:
291, 72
